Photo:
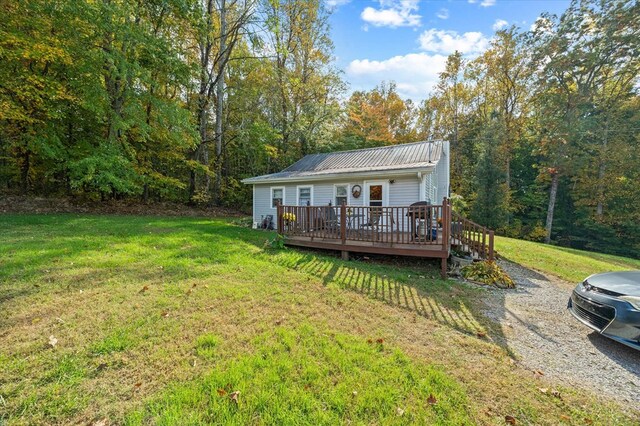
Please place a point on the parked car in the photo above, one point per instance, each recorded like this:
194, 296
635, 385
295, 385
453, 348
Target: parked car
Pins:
610, 304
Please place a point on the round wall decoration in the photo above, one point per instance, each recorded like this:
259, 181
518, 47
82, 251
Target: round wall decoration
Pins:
356, 190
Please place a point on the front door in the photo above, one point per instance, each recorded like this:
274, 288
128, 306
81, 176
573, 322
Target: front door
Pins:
377, 195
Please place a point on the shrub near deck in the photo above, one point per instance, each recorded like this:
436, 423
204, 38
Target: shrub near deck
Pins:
160, 320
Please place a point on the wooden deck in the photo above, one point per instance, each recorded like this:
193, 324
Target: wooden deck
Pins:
421, 231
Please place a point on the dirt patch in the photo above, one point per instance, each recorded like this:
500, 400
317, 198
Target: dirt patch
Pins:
536, 327
19, 204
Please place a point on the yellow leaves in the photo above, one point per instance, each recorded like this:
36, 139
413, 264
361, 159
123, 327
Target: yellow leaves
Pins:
488, 273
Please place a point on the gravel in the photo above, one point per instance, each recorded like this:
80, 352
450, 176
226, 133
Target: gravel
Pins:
545, 337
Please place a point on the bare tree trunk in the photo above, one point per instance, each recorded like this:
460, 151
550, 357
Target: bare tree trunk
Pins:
552, 204
220, 100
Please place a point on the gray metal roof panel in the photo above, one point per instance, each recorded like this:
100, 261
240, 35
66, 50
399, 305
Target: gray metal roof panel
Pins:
395, 157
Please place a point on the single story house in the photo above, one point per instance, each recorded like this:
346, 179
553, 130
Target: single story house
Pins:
396, 175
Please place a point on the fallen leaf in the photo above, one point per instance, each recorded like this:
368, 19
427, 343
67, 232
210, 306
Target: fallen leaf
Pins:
565, 418
538, 373
354, 393
189, 291
279, 321
53, 341
481, 334
222, 392
234, 396
137, 386
194, 285
369, 341
556, 394
432, 400
145, 288
379, 341
588, 421
543, 390
399, 411
510, 419
165, 314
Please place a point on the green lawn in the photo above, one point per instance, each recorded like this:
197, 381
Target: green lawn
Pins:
165, 320
566, 263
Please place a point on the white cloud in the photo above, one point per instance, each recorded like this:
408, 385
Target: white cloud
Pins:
392, 13
446, 42
484, 3
415, 74
334, 4
499, 24
443, 13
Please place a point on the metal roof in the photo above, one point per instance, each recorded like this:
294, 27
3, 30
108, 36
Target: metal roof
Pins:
403, 157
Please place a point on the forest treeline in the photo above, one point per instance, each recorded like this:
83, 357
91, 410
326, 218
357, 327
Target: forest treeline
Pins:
181, 99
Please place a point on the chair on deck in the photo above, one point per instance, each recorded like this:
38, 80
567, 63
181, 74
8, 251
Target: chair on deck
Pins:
327, 219
373, 222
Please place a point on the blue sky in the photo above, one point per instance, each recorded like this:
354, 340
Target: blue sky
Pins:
407, 41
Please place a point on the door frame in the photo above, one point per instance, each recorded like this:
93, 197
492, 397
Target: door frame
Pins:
385, 191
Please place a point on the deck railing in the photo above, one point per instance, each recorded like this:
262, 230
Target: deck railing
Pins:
422, 225
472, 237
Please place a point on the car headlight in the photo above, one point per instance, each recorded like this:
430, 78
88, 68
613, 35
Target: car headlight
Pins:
634, 300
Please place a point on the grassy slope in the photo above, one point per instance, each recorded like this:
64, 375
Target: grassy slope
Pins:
569, 264
159, 320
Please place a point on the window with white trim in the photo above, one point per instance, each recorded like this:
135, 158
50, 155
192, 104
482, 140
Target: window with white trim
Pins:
341, 194
277, 196
305, 195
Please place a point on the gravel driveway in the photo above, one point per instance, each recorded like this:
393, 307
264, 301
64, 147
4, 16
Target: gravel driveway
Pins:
544, 336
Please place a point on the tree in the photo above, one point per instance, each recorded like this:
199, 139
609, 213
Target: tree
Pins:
379, 117
490, 205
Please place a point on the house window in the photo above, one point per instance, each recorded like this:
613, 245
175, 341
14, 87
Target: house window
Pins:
341, 194
305, 195
277, 196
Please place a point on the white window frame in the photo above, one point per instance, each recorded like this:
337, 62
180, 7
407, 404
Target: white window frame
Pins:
284, 196
335, 193
385, 191
298, 193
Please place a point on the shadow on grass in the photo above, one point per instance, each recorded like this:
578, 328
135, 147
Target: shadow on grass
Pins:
412, 289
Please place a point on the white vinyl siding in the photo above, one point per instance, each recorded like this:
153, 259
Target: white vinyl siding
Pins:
431, 188
404, 191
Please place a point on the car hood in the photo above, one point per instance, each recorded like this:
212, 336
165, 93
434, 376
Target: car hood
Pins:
625, 282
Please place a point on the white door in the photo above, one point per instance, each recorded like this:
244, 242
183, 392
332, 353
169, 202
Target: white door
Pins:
376, 193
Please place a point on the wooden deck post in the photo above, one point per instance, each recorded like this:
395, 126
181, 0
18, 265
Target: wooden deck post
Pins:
443, 268
279, 219
343, 224
491, 254
484, 242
